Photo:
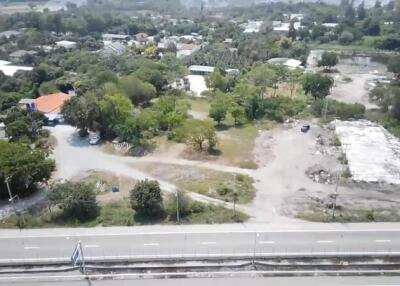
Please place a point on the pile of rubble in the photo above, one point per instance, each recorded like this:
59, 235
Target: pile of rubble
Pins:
373, 153
320, 175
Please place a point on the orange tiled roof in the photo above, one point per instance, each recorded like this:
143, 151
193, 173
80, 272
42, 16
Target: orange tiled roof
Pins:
51, 103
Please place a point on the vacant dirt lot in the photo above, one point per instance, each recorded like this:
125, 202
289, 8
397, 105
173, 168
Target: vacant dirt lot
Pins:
284, 190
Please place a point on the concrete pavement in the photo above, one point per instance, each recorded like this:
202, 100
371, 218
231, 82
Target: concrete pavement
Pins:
198, 241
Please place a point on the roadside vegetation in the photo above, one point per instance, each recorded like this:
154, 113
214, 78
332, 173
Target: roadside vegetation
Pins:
74, 204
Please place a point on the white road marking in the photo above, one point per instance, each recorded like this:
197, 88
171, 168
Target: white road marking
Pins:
151, 244
267, 242
208, 242
382, 240
324, 241
92, 246
31, 247
200, 232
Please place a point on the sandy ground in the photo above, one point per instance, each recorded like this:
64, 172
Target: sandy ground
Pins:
197, 84
75, 156
355, 77
284, 190
284, 154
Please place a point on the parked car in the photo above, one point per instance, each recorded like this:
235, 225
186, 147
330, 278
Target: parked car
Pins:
305, 128
117, 140
94, 140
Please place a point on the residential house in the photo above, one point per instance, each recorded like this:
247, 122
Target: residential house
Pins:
287, 62
69, 45
10, 33
283, 27
115, 38
27, 104
330, 25
201, 70
252, 26
3, 135
20, 56
185, 50
113, 49
49, 105
141, 37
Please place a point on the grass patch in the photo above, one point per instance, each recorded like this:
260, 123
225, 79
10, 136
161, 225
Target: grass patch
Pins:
121, 214
198, 104
345, 215
219, 185
236, 146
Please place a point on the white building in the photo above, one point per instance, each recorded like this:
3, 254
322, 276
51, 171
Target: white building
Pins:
289, 63
113, 49
185, 50
66, 44
252, 26
330, 25
283, 27
8, 69
201, 70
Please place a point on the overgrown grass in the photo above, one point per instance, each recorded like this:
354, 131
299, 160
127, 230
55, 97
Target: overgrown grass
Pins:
121, 214
222, 186
198, 104
215, 184
236, 146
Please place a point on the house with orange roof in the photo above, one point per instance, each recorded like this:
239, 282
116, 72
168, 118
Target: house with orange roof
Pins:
50, 105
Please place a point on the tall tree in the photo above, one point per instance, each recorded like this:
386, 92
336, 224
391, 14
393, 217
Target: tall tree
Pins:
361, 13
23, 166
317, 85
328, 60
77, 200
146, 198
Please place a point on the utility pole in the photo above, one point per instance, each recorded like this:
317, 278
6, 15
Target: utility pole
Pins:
254, 247
11, 199
235, 197
177, 207
326, 108
336, 194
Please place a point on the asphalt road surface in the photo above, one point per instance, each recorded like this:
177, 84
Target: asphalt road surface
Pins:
286, 281
213, 240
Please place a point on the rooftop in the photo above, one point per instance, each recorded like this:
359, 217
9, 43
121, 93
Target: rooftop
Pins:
51, 103
201, 68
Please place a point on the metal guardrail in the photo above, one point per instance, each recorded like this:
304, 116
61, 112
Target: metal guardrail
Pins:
199, 256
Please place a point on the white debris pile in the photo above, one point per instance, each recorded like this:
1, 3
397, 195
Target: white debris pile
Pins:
373, 153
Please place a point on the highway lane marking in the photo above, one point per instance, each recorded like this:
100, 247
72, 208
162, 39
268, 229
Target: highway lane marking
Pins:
151, 244
324, 241
267, 242
208, 242
382, 240
31, 247
199, 232
92, 246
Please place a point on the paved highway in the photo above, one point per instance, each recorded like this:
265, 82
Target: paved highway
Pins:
286, 281
166, 241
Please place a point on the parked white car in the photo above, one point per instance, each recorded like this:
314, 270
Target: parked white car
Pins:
94, 139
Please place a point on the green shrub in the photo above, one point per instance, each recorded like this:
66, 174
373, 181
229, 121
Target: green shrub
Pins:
338, 109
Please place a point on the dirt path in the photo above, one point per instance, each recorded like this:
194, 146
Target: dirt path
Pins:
74, 156
284, 155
